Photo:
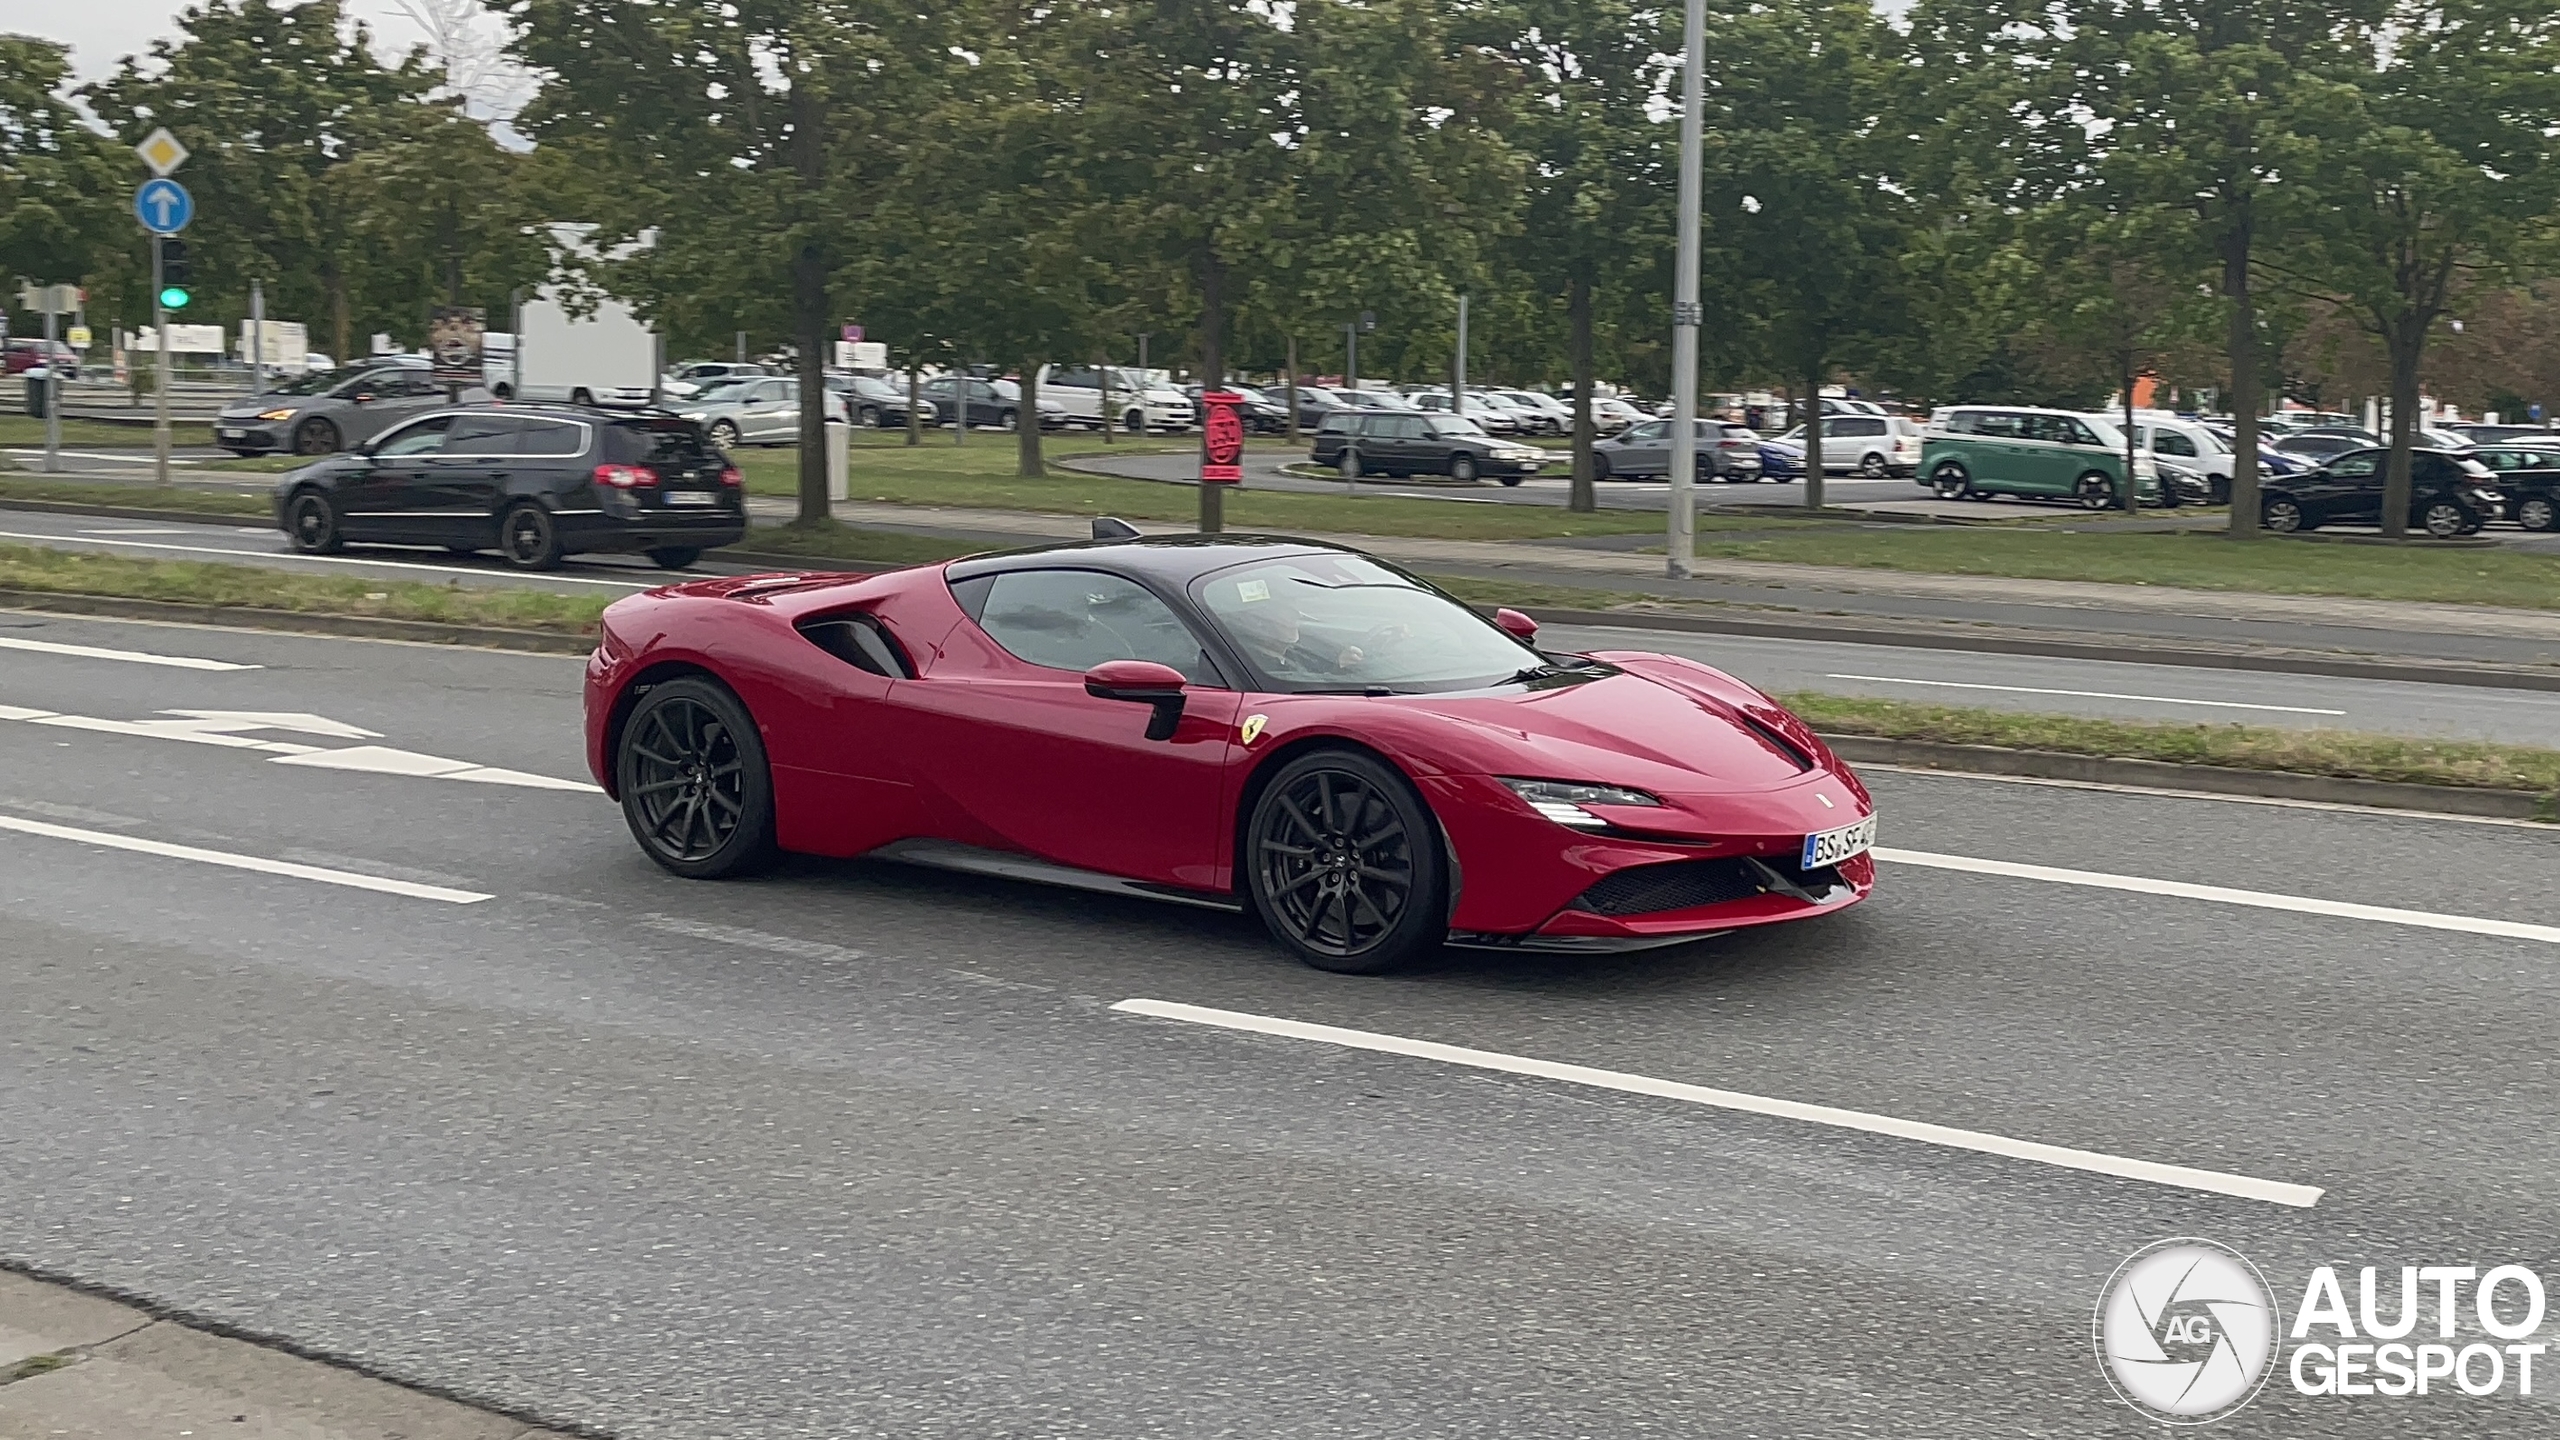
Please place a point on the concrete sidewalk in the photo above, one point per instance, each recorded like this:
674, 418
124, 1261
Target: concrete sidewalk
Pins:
73, 1365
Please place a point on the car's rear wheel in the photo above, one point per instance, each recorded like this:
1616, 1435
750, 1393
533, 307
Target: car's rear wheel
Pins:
1951, 481
674, 557
312, 521
870, 417
2281, 515
1599, 464
1872, 466
2537, 513
528, 537
1508, 480
1462, 468
695, 786
2094, 492
1008, 420
2444, 520
1344, 865
315, 437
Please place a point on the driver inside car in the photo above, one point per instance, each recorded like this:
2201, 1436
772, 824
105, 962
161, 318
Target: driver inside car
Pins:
1275, 634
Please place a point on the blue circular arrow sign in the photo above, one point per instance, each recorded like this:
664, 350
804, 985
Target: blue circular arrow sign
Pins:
163, 206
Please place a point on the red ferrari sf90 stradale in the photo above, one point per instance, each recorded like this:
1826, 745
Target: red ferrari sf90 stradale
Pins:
1237, 720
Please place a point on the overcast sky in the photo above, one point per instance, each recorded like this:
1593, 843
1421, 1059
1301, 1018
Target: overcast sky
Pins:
101, 32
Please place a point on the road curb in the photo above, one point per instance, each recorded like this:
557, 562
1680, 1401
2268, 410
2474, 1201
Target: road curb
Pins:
2210, 779
1873, 631
363, 627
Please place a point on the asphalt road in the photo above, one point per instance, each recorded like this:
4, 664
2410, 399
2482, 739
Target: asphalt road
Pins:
863, 1150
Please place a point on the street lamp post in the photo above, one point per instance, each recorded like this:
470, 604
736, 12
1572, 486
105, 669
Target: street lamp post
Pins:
1683, 537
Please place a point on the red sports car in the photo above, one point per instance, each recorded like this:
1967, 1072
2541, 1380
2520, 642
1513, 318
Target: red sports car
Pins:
1235, 720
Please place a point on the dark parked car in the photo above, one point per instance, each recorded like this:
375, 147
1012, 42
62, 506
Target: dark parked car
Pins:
1262, 412
2449, 494
1643, 452
877, 402
991, 402
2502, 434
329, 410
534, 482
1781, 460
2324, 444
2528, 474
1315, 402
22, 355
1404, 442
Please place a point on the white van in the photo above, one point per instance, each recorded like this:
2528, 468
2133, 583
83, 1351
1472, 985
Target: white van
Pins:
1140, 399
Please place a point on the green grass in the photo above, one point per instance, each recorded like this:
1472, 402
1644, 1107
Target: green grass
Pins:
2418, 572
204, 499
2344, 753
980, 476
20, 428
188, 582
828, 540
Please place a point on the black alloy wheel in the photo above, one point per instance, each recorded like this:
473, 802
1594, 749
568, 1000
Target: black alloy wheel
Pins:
528, 538
2280, 515
2444, 520
695, 786
1872, 466
674, 557
312, 521
1344, 863
1950, 481
2536, 512
2095, 492
1462, 468
315, 436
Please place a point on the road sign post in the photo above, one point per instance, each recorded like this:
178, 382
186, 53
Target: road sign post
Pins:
160, 387
52, 398
1221, 454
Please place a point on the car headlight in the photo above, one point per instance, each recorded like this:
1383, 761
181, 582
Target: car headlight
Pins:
275, 414
1562, 800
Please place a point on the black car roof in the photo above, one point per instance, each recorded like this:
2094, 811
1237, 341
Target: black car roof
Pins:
1172, 560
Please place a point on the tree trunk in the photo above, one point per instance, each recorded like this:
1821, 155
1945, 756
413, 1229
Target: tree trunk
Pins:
335, 278
1102, 372
2404, 341
1813, 476
915, 403
1290, 376
1584, 497
1213, 373
809, 335
2132, 497
2243, 400
1026, 425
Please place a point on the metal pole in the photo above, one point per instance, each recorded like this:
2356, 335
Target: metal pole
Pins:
1458, 397
257, 338
1351, 356
160, 396
742, 347
1683, 536
52, 392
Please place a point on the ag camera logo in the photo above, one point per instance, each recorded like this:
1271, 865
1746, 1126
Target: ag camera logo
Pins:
2187, 1331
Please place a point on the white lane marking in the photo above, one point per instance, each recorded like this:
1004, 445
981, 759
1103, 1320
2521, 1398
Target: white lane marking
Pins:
136, 657
2160, 793
2225, 895
301, 722
164, 849
402, 565
384, 760
2217, 1182
132, 532
2086, 694
21, 712
217, 727
132, 460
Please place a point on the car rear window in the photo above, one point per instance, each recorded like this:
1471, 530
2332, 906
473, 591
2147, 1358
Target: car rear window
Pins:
660, 442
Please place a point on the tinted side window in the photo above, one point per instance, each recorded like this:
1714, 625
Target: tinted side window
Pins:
1999, 425
1080, 379
1854, 425
424, 438
2170, 442
660, 442
1405, 427
1962, 422
550, 437
1076, 619
483, 435
1336, 425
2353, 466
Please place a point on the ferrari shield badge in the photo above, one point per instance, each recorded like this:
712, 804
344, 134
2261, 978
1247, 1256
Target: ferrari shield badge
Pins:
1253, 727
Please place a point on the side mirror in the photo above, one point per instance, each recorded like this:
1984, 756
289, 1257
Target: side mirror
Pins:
1141, 682
1515, 624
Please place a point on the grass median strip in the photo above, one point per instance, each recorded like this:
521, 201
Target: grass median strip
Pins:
2346, 754
199, 499
28, 568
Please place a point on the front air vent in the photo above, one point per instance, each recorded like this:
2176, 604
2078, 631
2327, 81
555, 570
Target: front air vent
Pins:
1678, 885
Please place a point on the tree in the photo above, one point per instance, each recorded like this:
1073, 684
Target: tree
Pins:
2442, 170
58, 179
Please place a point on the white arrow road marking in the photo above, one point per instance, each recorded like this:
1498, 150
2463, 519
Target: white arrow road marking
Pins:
2218, 1182
137, 657
225, 858
300, 722
383, 760
217, 727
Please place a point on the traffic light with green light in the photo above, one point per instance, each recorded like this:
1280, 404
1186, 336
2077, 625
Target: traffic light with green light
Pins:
174, 275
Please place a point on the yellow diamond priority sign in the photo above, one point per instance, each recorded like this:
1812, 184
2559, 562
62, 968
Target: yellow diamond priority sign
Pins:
161, 151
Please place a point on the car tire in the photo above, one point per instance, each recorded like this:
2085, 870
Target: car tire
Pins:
2282, 515
582, 396
462, 552
2444, 520
2537, 512
869, 415
1462, 468
1348, 467
674, 557
1008, 420
1133, 422
528, 537
503, 391
696, 788
1599, 465
316, 436
1508, 480
311, 520
1871, 466
725, 434
1951, 481
2094, 491
1343, 863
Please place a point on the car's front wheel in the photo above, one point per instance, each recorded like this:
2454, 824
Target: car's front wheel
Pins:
869, 416
2095, 492
674, 557
2281, 515
1349, 465
315, 437
2445, 520
312, 521
2537, 513
1008, 420
1871, 465
1599, 464
1462, 468
1343, 863
724, 434
1950, 481
695, 786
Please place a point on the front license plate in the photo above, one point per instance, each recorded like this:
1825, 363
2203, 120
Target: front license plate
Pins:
692, 497
231, 434
1830, 847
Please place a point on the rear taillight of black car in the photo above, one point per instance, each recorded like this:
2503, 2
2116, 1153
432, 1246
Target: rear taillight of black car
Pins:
625, 477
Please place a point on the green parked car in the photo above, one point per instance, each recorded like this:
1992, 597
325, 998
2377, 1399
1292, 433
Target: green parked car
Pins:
1983, 450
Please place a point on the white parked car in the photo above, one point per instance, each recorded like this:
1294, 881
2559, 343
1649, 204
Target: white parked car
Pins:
1138, 399
1492, 419
1557, 416
1874, 446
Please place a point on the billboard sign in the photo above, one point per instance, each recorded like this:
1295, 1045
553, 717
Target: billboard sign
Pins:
453, 343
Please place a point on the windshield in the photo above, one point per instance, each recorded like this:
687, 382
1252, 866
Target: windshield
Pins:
1345, 622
